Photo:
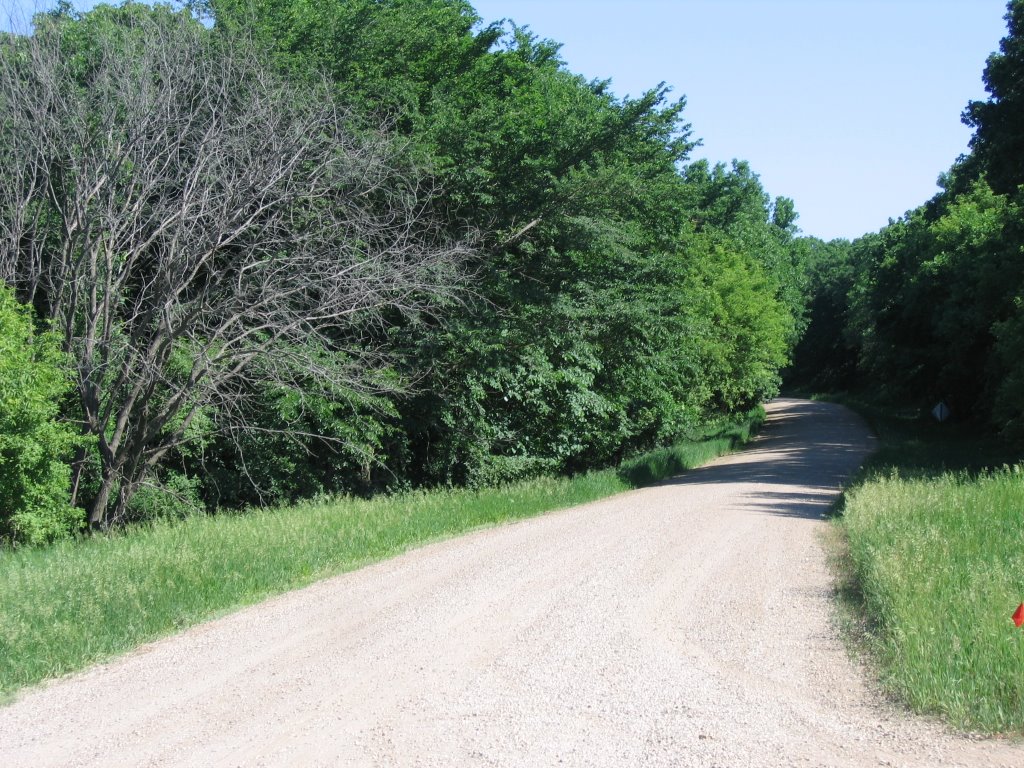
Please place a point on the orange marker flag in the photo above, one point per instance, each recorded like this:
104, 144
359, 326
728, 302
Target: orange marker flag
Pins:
1018, 615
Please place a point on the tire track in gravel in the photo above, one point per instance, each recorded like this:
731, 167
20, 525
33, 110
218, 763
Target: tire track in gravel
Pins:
687, 624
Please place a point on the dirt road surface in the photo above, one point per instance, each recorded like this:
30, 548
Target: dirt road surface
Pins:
688, 624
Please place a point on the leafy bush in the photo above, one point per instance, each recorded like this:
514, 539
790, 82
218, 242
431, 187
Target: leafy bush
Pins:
173, 497
34, 445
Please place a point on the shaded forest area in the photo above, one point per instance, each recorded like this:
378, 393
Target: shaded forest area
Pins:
255, 252
931, 308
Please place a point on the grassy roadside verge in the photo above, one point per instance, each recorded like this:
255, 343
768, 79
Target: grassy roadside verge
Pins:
79, 602
932, 550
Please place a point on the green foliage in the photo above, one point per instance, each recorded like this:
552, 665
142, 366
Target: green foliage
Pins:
1008, 407
825, 359
310, 441
744, 328
731, 204
35, 445
998, 140
927, 308
175, 496
386, 57
603, 325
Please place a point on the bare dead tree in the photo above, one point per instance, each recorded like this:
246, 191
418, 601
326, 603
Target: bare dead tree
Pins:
196, 227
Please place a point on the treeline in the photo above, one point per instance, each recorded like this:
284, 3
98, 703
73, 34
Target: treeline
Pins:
931, 308
353, 246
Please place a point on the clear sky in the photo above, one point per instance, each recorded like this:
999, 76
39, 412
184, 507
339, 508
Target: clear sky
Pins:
850, 107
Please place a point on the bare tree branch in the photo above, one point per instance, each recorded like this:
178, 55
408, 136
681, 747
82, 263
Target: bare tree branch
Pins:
196, 228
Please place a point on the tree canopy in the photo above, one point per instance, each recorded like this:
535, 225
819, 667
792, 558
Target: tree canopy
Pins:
324, 246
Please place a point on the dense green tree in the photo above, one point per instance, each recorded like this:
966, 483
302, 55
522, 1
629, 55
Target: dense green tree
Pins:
825, 357
586, 338
927, 308
998, 140
731, 201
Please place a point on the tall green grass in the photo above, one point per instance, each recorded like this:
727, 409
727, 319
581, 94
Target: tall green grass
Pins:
935, 543
79, 602
940, 563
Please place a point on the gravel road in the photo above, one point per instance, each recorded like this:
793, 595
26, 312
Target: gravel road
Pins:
687, 624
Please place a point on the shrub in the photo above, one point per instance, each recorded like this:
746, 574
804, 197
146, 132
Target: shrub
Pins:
34, 444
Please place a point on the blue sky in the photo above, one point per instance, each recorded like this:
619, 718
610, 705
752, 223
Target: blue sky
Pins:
850, 107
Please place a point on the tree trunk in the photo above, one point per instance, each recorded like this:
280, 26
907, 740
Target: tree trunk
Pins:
98, 519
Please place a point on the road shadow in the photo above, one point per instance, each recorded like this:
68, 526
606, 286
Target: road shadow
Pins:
810, 447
